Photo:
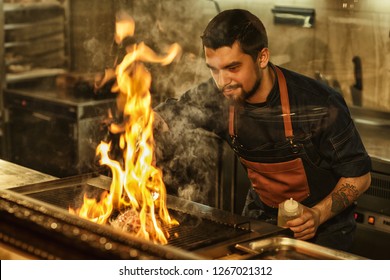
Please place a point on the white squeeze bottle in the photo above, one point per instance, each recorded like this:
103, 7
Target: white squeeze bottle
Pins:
288, 210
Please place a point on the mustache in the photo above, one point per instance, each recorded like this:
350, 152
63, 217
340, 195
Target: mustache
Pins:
230, 87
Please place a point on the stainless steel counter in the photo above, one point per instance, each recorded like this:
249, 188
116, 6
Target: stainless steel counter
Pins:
376, 139
372, 239
13, 175
374, 129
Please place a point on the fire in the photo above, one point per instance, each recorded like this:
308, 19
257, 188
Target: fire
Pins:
136, 183
124, 27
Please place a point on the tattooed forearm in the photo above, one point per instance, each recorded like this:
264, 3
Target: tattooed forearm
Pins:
343, 197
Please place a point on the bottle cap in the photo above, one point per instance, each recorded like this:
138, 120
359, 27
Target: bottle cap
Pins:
290, 205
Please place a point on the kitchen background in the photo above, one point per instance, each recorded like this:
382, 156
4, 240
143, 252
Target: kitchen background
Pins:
327, 40
51, 120
324, 48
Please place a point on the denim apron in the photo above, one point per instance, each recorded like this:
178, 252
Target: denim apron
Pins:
290, 171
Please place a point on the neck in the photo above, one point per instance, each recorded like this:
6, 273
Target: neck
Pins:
267, 82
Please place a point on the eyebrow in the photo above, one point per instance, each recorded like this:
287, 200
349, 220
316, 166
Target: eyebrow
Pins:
232, 64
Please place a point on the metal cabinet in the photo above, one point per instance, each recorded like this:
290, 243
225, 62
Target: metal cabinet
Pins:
54, 133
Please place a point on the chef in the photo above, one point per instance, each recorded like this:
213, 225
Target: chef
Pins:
294, 135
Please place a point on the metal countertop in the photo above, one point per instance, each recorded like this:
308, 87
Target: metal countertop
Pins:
374, 129
61, 96
13, 175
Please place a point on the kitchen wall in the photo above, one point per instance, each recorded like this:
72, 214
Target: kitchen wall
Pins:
91, 29
342, 29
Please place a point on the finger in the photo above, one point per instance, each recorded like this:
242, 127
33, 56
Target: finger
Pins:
305, 234
307, 227
299, 221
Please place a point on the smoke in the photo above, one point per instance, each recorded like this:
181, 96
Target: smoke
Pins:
96, 51
189, 157
189, 160
168, 22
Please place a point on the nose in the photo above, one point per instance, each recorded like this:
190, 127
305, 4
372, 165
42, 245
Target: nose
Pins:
223, 79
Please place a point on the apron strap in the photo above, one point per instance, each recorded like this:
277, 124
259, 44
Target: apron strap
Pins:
288, 131
232, 133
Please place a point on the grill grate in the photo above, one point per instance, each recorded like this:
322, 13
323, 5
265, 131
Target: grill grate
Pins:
62, 197
192, 233
195, 233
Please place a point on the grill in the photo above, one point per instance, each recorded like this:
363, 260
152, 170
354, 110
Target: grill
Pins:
194, 233
36, 224
198, 233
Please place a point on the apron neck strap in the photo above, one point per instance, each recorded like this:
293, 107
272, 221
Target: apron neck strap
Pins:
232, 131
288, 131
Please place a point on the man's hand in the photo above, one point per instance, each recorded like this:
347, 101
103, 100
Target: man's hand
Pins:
305, 227
344, 194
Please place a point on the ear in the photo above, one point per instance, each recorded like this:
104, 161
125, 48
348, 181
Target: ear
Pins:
263, 58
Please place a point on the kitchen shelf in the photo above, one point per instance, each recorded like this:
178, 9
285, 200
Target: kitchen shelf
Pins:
10, 7
45, 40
35, 40
27, 43
33, 74
51, 22
34, 47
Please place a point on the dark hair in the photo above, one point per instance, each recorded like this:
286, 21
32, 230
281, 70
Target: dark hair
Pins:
236, 25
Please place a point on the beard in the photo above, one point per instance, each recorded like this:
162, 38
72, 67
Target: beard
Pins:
244, 95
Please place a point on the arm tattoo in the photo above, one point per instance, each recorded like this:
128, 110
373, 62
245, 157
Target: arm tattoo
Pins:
342, 198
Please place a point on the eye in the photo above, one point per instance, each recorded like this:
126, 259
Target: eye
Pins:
234, 68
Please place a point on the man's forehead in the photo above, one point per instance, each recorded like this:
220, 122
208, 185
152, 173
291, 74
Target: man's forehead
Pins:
235, 46
224, 55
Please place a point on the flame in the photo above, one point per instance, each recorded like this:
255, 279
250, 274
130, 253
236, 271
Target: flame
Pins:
136, 183
124, 28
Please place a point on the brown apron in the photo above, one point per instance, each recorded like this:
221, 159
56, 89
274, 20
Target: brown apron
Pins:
276, 182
